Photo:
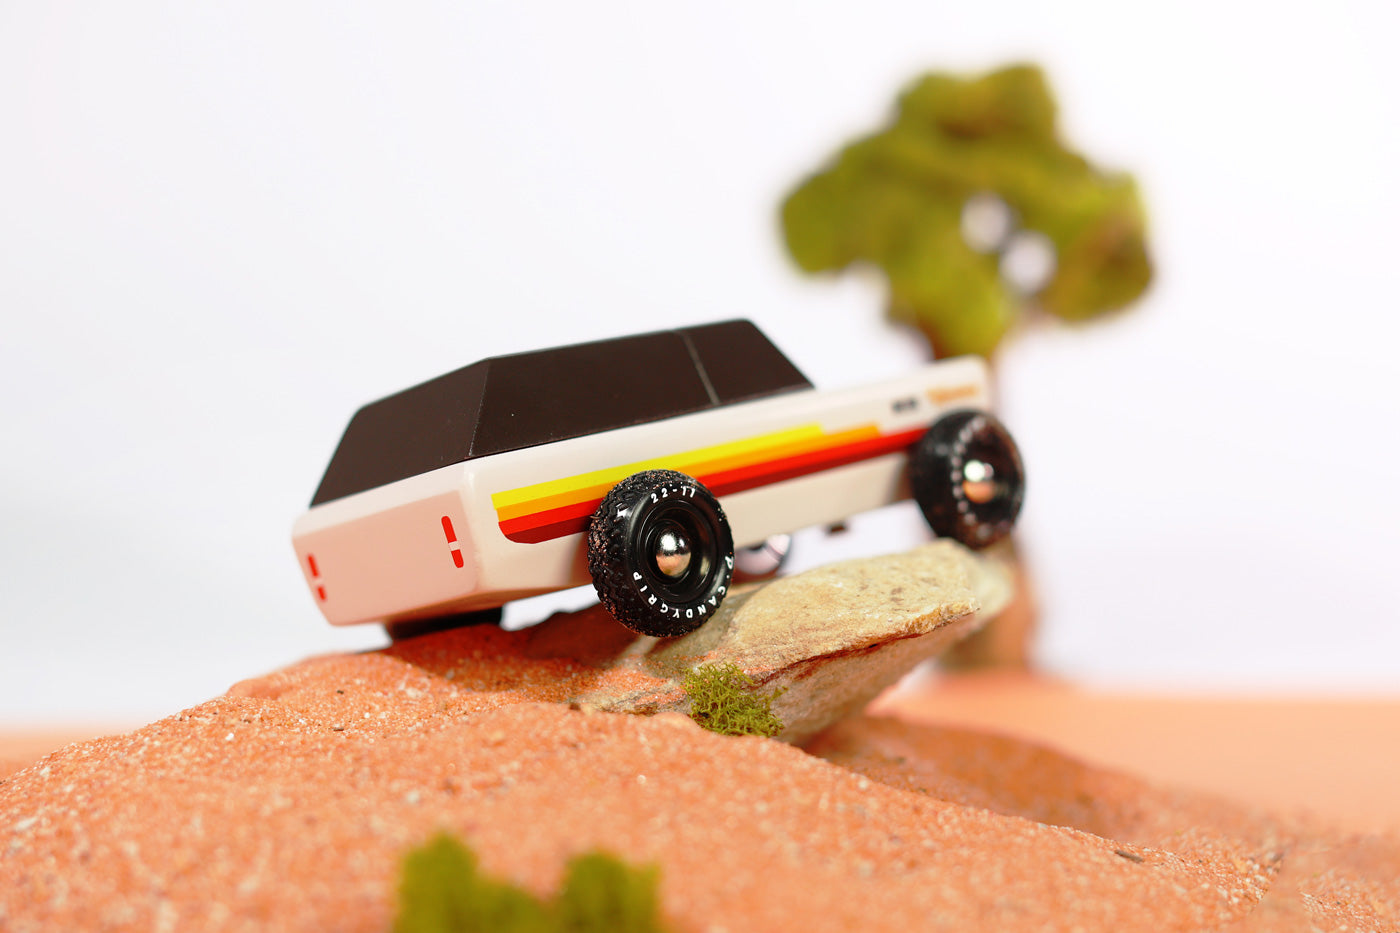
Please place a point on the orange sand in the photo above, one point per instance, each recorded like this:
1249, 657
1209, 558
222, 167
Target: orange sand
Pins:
1336, 760
287, 804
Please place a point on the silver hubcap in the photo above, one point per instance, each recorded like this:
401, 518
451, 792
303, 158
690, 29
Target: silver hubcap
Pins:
979, 482
672, 553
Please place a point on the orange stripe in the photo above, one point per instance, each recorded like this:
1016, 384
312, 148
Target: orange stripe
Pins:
561, 500
548, 516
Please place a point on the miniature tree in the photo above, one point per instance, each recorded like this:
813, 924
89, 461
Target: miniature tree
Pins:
976, 213
967, 189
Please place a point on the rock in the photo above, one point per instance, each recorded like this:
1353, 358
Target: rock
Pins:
834, 637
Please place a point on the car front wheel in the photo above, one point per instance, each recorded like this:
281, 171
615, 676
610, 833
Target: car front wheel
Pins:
967, 477
660, 553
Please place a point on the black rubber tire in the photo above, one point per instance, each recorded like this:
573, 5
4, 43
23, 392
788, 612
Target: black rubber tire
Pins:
940, 485
412, 628
621, 543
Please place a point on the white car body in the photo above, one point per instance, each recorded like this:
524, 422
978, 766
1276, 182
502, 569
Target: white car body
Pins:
434, 544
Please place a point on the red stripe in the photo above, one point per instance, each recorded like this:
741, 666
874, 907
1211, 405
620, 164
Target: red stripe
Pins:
569, 526
311, 562
457, 557
321, 593
447, 529
550, 516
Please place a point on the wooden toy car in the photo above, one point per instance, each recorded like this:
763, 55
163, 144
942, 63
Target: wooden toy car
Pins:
638, 463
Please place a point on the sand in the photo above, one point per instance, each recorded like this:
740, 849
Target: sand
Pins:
287, 804
1333, 759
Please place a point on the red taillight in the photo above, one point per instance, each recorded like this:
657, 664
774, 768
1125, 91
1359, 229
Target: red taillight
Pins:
452, 541
316, 577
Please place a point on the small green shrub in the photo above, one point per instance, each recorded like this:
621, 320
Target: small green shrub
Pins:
602, 892
723, 700
441, 890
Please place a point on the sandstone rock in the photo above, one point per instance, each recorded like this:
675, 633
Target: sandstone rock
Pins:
834, 637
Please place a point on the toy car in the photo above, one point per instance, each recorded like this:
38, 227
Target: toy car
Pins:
637, 463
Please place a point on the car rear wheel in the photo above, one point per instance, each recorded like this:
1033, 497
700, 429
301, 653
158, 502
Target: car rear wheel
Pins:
660, 553
967, 477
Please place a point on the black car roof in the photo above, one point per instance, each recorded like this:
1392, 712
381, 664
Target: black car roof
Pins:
527, 399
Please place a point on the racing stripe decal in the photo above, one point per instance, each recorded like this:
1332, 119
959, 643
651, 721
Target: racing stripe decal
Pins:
545, 511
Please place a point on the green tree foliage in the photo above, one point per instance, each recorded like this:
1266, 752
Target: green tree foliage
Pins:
895, 199
723, 700
441, 890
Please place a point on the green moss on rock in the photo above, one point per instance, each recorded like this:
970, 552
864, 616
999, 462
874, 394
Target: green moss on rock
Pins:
723, 700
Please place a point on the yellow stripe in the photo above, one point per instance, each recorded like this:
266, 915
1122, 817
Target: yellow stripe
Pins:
778, 452
508, 501
506, 512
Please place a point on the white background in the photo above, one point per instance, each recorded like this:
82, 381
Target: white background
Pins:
225, 226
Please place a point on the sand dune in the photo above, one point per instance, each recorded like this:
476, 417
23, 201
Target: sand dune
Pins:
287, 804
